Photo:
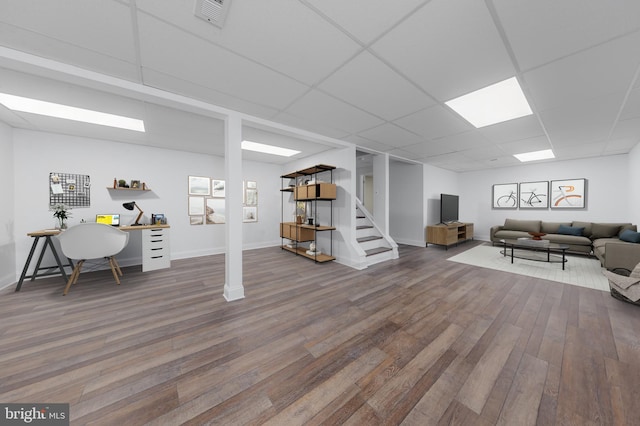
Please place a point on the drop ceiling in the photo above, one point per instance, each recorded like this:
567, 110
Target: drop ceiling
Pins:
370, 72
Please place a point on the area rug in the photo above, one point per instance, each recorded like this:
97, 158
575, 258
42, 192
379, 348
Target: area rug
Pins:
579, 270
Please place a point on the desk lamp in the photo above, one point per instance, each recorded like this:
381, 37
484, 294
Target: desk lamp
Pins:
130, 206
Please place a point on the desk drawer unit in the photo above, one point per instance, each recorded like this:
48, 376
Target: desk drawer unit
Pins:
155, 249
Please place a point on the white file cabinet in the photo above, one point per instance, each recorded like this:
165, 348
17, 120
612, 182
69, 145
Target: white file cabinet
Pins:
155, 248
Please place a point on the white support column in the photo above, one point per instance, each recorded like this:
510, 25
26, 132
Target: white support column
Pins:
233, 288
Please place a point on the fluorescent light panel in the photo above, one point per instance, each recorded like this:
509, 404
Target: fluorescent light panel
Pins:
493, 104
268, 149
50, 109
535, 155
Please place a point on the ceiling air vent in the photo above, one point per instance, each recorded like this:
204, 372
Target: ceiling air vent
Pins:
213, 11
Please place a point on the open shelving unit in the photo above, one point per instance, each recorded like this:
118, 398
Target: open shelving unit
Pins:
307, 188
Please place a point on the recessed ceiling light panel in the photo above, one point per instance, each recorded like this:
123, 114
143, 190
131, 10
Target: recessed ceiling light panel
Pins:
535, 155
268, 149
493, 104
50, 109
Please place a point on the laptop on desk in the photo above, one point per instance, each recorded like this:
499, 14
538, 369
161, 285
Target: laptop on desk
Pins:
109, 219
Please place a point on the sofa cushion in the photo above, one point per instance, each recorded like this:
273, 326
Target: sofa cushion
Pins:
630, 236
604, 230
552, 227
570, 230
586, 225
628, 226
522, 225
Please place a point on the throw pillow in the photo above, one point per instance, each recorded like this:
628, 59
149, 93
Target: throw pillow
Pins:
604, 230
570, 230
630, 236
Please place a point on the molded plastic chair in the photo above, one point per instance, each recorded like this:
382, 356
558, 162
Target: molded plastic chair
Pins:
92, 241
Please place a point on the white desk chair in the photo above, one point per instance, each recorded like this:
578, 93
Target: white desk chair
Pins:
92, 241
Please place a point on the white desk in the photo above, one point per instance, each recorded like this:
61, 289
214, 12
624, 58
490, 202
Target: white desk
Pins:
156, 253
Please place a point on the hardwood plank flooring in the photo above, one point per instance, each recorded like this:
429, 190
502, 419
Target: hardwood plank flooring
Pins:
414, 341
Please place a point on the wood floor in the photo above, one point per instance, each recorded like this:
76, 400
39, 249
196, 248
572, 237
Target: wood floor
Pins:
415, 341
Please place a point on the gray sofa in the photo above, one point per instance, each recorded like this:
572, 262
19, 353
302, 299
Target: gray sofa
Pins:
600, 239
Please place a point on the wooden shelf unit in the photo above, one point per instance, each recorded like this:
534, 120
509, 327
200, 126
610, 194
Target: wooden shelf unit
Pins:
449, 234
312, 193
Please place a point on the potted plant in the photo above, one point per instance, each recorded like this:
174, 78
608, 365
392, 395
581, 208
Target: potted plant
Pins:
62, 213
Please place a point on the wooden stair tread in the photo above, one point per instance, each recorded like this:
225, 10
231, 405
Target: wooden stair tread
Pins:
377, 250
369, 238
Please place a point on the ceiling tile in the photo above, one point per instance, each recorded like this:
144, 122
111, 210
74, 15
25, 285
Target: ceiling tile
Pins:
325, 110
525, 145
371, 85
599, 71
588, 122
210, 66
585, 150
85, 25
36, 44
519, 128
391, 135
261, 31
542, 31
462, 141
429, 149
434, 122
632, 106
365, 19
440, 44
309, 125
195, 91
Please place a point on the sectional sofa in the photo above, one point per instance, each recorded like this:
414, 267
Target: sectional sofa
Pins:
616, 245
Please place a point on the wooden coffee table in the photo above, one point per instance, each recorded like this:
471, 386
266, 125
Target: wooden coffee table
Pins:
551, 248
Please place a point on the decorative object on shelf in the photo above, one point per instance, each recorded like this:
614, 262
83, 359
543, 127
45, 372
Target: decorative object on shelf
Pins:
115, 183
158, 219
122, 183
130, 206
310, 220
537, 236
62, 213
135, 184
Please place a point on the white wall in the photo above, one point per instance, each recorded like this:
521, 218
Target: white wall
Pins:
164, 171
634, 184
8, 211
405, 205
608, 195
439, 181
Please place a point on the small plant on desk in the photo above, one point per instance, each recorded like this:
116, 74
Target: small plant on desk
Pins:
62, 213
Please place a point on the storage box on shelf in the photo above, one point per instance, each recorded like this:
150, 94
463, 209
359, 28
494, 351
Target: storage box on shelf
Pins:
308, 188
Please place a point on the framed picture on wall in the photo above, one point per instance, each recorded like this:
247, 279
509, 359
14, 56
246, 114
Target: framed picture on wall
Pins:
218, 188
249, 214
534, 195
568, 194
199, 185
196, 206
505, 196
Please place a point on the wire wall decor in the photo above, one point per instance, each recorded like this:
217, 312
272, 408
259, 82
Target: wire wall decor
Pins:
71, 189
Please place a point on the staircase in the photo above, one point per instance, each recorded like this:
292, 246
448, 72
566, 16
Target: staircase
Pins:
377, 247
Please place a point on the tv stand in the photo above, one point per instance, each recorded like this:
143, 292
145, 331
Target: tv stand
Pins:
447, 234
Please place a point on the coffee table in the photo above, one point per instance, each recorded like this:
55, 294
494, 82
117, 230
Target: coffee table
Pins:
551, 248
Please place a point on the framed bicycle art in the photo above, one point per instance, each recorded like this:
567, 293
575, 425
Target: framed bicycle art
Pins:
505, 196
568, 194
534, 195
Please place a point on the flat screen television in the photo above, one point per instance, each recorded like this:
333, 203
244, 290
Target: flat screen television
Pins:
448, 208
